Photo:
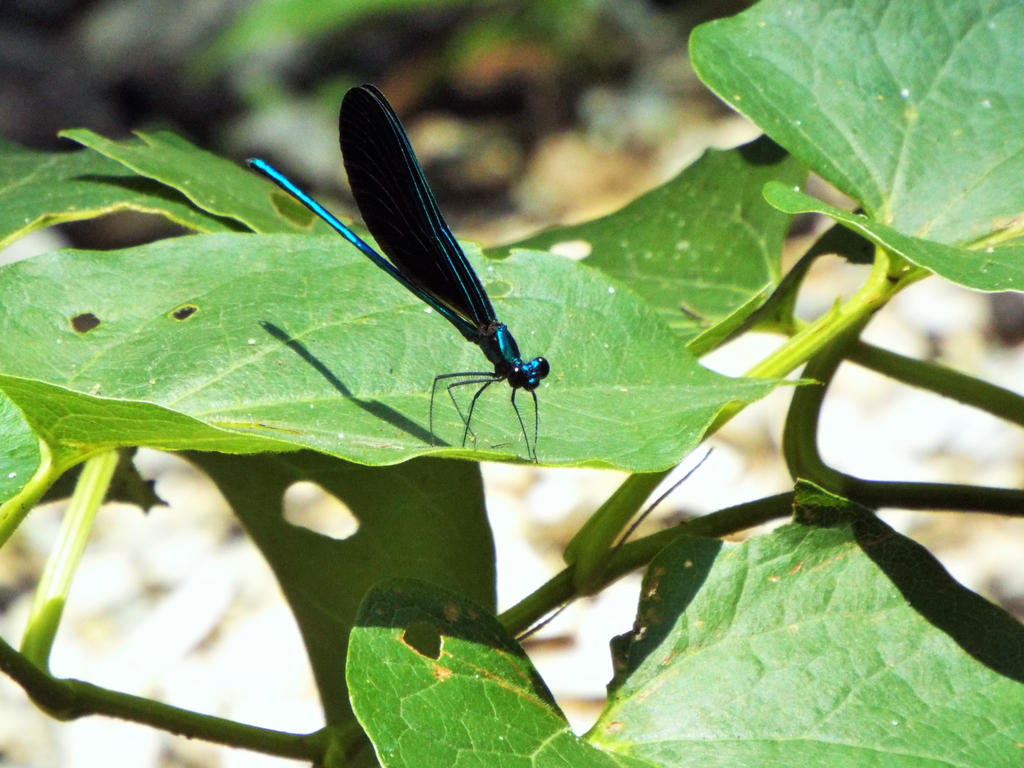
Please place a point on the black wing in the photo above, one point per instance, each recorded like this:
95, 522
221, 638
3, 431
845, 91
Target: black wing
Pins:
399, 209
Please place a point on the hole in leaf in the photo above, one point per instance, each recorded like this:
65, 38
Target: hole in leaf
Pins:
84, 322
423, 637
309, 505
577, 250
184, 312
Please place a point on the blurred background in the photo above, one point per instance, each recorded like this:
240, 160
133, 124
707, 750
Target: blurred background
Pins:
524, 113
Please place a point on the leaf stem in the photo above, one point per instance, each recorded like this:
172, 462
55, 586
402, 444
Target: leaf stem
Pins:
1000, 402
589, 548
14, 510
69, 699
889, 275
804, 460
51, 594
561, 587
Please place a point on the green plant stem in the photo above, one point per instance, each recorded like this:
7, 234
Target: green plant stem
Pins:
591, 545
561, 588
589, 549
1004, 403
14, 510
51, 594
70, 699
889, 275
800, 432
804, 461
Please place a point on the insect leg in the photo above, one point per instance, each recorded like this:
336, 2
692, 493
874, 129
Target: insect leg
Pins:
522, 425
433, 390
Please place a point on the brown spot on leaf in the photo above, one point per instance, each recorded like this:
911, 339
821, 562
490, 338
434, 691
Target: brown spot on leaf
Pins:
84, 322
442, 673
184, 312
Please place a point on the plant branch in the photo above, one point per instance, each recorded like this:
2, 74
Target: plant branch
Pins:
589, 549
54, 461
888, 276
1004, 403
14, 510
634, 554
70, 699
804, 459
51, 593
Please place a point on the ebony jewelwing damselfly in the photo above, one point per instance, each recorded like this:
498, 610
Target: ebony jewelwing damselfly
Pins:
401, 213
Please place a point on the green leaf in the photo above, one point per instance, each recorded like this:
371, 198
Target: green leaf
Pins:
703, 249
993, 268
211, 182
422, 519
19, 452
78, 424
845, 645
906, 107
126, 485
40, 189
435, 680
249, 343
